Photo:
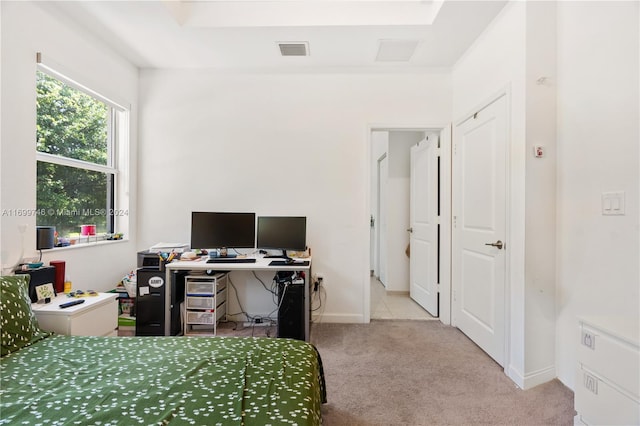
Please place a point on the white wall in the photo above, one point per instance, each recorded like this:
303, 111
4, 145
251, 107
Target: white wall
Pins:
598, 116
26, 29
276, 144
540, 189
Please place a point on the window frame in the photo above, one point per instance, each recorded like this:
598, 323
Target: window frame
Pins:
118, 123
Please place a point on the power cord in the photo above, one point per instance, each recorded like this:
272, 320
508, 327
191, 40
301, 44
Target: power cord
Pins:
255, 319
321, 295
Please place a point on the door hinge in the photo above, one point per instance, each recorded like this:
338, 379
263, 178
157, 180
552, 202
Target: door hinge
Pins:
438, 152
455, 221
455, 296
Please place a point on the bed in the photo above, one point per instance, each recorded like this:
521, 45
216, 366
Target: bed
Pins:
54, 379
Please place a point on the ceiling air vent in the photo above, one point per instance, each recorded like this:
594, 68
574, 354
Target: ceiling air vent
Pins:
396, 50
294, 48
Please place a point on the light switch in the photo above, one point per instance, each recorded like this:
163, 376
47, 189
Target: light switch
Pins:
613, 203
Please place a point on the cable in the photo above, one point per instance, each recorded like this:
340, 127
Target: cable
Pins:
242, 311
262, 282
321, 292
286, 286
252, 318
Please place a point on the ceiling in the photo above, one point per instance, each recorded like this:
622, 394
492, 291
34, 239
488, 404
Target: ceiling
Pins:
244, 34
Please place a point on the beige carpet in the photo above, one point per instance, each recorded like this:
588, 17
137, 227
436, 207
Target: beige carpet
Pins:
425, 373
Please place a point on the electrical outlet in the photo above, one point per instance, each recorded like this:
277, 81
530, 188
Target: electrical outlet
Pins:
318, 280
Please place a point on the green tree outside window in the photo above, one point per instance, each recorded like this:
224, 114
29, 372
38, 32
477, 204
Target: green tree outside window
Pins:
74, 183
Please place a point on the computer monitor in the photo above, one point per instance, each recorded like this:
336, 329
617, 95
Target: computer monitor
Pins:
282, 233
222, 230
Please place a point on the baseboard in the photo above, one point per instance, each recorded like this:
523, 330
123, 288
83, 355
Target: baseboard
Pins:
532, 379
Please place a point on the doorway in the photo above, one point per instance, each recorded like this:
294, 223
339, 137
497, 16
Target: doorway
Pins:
477, 302
390, 254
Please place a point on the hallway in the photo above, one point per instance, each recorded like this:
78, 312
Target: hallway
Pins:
394, 306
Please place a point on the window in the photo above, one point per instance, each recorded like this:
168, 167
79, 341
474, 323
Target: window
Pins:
76, 143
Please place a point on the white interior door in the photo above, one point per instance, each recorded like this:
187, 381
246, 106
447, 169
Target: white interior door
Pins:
479, 228
383, 175
423, 216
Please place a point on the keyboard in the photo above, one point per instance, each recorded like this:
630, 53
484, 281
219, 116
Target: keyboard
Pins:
231, 260
287, 263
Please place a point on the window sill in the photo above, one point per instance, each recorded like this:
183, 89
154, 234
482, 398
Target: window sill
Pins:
85, 245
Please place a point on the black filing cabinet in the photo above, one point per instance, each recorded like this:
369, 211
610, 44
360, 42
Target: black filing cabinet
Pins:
151, 297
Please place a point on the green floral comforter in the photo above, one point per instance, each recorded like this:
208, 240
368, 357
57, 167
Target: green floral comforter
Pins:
162, 380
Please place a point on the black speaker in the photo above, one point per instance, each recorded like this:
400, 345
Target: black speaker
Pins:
291, 312
45, 237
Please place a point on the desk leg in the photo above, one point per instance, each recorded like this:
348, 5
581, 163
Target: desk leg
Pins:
168, 285
307, 305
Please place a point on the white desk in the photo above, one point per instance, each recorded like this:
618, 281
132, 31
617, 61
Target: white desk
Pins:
261, 264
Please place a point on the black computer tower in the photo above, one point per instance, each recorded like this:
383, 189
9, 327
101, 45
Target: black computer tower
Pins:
291, 312
151, 303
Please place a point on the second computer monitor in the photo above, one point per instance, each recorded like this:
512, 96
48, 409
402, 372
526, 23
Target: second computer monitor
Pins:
282, 233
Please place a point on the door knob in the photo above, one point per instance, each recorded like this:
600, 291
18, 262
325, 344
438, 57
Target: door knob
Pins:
497, 244
409, 229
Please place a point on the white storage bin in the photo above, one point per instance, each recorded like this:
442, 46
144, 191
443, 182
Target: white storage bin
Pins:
599, 403
611, 357
195, 317
200, 288
607, 385
195, 302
